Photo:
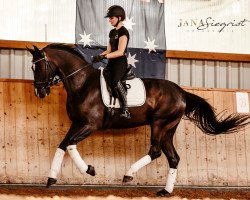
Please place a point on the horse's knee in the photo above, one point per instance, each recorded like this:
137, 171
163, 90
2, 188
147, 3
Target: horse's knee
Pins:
154, 152
63, 147
155, 155
64, 144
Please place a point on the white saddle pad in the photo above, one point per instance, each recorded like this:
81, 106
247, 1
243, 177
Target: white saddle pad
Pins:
136, 94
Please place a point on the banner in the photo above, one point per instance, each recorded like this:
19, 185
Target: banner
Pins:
209, 26
145, 23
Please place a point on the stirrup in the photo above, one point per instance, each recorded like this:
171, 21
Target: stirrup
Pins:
125, 114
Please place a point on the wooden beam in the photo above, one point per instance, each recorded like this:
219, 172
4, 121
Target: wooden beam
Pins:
11, 44
195, 55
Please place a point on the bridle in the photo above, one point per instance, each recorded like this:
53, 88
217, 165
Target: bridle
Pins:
51, 80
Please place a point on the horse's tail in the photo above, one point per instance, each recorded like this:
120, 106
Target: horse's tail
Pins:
199, 111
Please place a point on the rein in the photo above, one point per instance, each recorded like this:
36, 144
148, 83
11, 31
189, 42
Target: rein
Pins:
50, 81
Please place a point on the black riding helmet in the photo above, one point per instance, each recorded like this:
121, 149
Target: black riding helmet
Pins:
116, 11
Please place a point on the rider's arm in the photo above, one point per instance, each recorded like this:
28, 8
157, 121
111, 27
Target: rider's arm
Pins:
108, 50
121, 48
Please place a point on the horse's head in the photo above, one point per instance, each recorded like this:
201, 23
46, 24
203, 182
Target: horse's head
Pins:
44, 72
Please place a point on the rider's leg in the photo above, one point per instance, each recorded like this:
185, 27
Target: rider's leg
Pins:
122, 93
117, 71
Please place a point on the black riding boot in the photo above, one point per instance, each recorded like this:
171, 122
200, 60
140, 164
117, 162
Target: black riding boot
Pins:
122, 93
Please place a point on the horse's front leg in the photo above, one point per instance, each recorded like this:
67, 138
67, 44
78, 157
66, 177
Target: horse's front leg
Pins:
75, 134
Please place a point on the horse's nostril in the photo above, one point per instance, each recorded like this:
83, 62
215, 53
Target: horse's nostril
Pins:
41, 95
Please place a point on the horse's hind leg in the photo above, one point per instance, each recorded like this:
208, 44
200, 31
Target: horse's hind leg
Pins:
75, 134
173, 160
154, 152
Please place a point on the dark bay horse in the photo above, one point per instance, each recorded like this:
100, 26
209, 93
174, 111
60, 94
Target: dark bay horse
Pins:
166, 103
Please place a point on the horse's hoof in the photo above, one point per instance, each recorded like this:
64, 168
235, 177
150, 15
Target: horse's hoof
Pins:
51, 181
91, 170
127, 179
163, 193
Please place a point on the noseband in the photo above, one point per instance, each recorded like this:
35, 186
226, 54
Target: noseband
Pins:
50, 81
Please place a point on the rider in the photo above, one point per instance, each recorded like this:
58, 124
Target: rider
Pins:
115, 53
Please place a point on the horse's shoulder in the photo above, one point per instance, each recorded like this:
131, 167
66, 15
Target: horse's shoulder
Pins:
93, 77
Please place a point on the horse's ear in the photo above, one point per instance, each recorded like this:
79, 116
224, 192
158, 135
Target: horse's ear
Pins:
36, 49
30, 50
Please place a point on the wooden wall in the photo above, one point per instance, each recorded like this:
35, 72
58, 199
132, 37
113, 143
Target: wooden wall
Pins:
31, 129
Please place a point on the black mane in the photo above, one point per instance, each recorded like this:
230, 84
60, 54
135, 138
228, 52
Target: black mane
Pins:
65, 47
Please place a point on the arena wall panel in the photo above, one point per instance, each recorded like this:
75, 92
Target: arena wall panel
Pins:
208, 73
32, 128
187, 71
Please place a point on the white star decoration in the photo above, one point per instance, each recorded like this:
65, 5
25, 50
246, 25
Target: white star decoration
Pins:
132, 60
128, 23
150, 45
85, 39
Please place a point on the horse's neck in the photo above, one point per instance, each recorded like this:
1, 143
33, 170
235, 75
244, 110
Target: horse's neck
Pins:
76, 78
73, 71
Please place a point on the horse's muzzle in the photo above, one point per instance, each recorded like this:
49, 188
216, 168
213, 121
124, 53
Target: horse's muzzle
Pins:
41, 92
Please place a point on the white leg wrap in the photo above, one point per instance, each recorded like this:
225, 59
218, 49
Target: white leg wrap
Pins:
75, 156
138, 165
56, 163
171, 180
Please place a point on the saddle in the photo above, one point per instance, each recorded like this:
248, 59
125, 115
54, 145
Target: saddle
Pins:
129, 75
136, 93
